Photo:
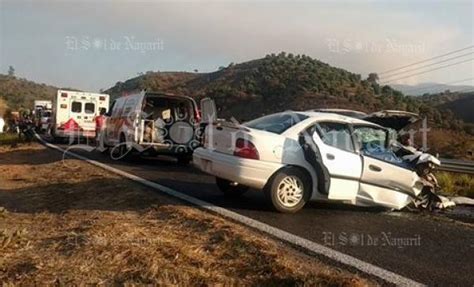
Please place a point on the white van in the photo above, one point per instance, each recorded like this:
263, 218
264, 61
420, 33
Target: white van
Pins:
42, 105
42, 114
153, 123
74, 113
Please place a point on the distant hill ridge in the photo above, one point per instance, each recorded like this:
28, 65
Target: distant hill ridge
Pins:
246, 90
430, 88
282, 82
20, 93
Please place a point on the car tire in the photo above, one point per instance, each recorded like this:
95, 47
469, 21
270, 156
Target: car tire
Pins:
229, 188
184, 159
288, 190
124, 153
106, 150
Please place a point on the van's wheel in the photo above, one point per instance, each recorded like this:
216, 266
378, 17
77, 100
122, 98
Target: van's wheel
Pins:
288, 190
229, 188
58, 140
124, 153
105, 150
184, 159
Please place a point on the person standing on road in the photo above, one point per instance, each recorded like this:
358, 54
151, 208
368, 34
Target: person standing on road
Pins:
100, 129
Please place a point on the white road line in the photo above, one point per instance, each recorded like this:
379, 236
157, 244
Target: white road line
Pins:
311, 246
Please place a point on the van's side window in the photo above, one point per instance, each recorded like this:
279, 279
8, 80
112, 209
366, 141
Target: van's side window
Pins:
76, 107
117, 108
111, 109
89, 108
129, 104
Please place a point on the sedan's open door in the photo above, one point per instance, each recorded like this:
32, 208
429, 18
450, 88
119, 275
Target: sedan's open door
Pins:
336, 163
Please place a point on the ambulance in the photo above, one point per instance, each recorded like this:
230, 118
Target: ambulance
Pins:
74, 113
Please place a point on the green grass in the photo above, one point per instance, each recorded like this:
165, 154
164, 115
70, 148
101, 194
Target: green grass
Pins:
456, 184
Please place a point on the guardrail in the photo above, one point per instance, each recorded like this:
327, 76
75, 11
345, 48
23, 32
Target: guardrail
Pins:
454, 165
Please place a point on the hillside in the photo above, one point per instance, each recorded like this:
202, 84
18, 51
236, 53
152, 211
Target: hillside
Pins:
19, 93
282, 82
270, 84
461, 104
462, 107
285, 81
429, 88
276, 82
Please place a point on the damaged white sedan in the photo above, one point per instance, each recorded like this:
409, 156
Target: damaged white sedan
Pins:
295, 157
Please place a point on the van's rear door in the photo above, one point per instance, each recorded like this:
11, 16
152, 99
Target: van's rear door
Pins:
219, 135
208, 111
89, 111
76, 109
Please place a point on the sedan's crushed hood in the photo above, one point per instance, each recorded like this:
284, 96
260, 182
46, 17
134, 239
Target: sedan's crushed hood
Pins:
393, 119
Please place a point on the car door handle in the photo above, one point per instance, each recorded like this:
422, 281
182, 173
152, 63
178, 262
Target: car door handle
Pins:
330, 156
374, 168
219, 128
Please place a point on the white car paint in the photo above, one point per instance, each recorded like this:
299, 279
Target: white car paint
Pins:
352, 181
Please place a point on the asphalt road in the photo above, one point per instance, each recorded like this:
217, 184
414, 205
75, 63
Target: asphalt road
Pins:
429, 249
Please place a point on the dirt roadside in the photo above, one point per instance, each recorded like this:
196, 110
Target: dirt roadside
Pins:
72, 223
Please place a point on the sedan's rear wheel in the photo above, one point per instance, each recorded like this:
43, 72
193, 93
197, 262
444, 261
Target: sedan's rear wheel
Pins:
229, 188
289, 190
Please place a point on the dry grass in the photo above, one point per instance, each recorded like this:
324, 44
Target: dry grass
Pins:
456, 184
76, 224
10, 139
449, 144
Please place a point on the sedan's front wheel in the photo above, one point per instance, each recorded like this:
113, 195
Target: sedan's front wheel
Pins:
289, 190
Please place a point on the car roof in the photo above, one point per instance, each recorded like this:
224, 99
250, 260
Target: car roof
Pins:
153, 94
336, 117
346, 112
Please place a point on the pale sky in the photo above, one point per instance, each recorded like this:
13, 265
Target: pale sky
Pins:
93, 44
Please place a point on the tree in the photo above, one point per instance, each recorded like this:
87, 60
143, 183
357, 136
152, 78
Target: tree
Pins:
11, 71
386, 90
373, 77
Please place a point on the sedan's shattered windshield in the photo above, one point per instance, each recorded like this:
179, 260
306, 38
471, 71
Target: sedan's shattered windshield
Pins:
370, 138
277, 123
